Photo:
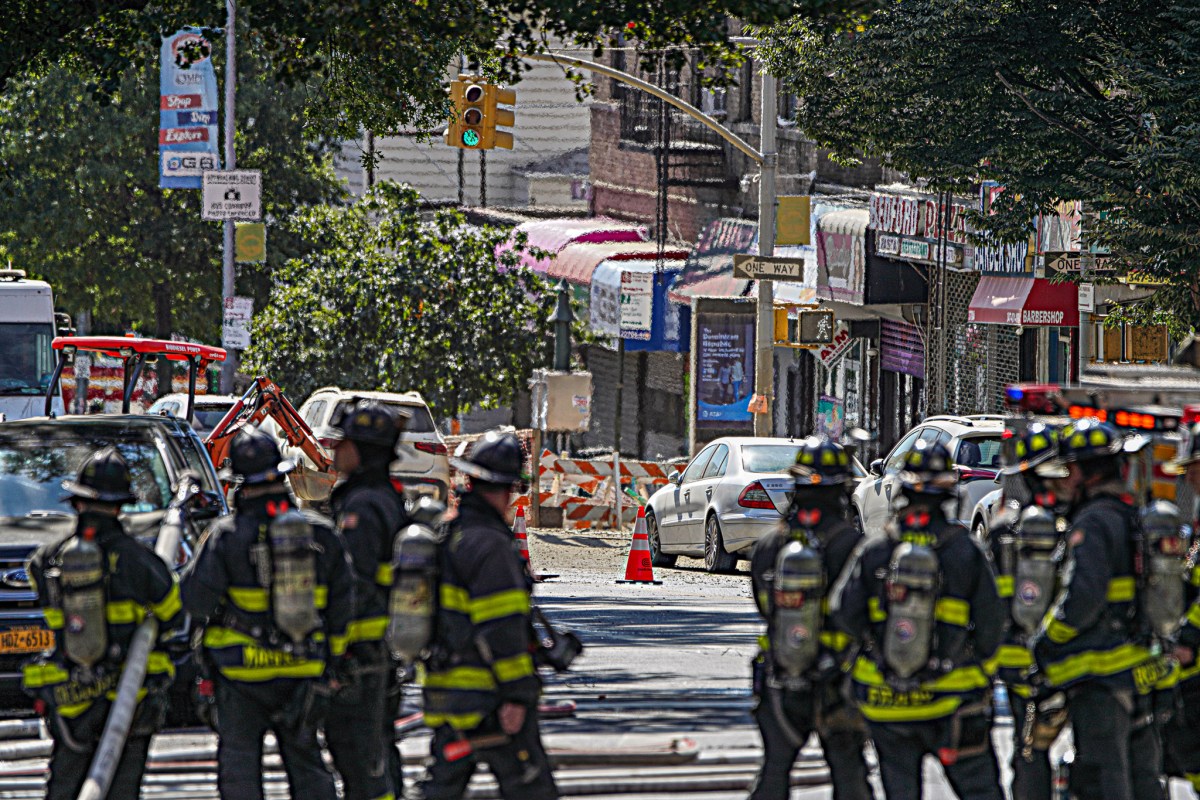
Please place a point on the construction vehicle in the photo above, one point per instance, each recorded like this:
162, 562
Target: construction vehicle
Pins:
262, 400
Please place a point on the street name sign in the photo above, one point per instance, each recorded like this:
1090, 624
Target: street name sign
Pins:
768, 268
232, 194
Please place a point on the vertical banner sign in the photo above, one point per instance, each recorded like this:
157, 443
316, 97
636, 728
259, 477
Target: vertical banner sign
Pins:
725, 376
187, 118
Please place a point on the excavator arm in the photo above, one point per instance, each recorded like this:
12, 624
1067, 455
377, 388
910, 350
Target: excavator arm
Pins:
264, 399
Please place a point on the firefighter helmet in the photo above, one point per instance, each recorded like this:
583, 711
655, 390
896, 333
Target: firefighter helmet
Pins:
253, 459
928, 470
821, 462
1189, 451
1088, 439
368, 422
1036, 445
496, 458
104, 478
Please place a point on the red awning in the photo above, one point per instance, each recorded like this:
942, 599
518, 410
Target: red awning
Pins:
1036, 302
577, 261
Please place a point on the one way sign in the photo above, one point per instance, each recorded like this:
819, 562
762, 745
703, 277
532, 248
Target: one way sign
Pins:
232, 194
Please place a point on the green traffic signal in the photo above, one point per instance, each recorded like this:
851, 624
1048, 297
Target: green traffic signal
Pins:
470, 138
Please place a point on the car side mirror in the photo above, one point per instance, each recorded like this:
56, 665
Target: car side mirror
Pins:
675, 477
877, 467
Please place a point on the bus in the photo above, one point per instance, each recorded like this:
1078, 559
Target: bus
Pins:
26, 360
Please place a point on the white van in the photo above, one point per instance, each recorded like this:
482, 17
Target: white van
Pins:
26, 359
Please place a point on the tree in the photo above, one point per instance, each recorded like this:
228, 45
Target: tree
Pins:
387, 300
1088, 101
82, 209
383, 62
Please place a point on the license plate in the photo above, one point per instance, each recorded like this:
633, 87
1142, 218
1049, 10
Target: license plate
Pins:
26, 640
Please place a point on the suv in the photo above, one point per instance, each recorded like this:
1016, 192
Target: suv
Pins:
974, 444
207, 409
422, 465
36, 455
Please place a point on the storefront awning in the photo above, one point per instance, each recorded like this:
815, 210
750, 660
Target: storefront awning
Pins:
1035, 302
578, 261
552, 235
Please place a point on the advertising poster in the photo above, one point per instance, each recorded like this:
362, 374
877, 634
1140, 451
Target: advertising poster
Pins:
724, 370
830, 417
188, 138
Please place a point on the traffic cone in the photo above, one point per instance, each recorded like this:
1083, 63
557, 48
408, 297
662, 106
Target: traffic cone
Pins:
638, 568
520, 535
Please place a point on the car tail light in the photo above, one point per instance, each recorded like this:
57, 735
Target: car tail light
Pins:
755, 496
967, 474
433, 448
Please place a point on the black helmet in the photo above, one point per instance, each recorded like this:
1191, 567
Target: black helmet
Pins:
368, 422
1088, 439
104, 478
1037, 445
1189, 451
928, 470
821, 462
254, 458
495, 458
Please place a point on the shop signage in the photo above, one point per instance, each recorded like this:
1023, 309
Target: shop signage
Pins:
892, 214
1006, 258
828, 354
913, 249
887, 245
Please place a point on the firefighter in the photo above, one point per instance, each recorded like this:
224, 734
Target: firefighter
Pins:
360, 725
481, 687
798, 673
96, 586
276, 590
922, 602
1091, 643
1181, 736
1027, 543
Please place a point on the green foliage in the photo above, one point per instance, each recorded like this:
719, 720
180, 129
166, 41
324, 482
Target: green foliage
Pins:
387, 300
82, 209
1090, 101
382, 61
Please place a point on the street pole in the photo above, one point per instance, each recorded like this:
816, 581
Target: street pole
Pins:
230, 365
764, 371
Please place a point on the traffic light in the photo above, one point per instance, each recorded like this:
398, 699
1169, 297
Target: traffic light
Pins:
815, 327
477, 114
495, 117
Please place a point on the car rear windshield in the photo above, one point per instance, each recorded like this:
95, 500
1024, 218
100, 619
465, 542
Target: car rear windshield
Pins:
420, 420
205, 419
769, 457
32, 471
979, 452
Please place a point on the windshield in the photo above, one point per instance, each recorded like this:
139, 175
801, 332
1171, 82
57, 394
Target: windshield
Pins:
769, 457
419, 421
32, 471
26, 360
205, 419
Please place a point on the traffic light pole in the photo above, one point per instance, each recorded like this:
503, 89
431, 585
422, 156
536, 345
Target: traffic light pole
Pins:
766, 159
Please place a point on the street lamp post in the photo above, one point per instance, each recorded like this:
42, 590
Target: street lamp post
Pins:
230, 365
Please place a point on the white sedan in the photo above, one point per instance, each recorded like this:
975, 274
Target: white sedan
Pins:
734, 490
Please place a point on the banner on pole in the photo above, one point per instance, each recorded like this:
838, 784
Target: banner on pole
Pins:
188, 137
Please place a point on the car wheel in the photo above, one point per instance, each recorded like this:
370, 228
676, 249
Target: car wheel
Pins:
657, 557
715, 557
980, 530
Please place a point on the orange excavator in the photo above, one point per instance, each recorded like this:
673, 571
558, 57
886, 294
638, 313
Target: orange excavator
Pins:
264, 399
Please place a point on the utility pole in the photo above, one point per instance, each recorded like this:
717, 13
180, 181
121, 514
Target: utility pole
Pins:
764, 367
230, 365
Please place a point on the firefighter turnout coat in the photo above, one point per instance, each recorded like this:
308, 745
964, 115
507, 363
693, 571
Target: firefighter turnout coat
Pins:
223, 585
969, 625
483, 650
369, 513
137, 583
1091, 633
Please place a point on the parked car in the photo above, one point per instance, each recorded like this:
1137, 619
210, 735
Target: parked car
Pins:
733, 491
974, 443
986, 511
36, 455
423, 462
208, 410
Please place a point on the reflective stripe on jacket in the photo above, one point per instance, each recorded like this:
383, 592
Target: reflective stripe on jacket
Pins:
483, 655
139, 583
969, 625
222, 586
